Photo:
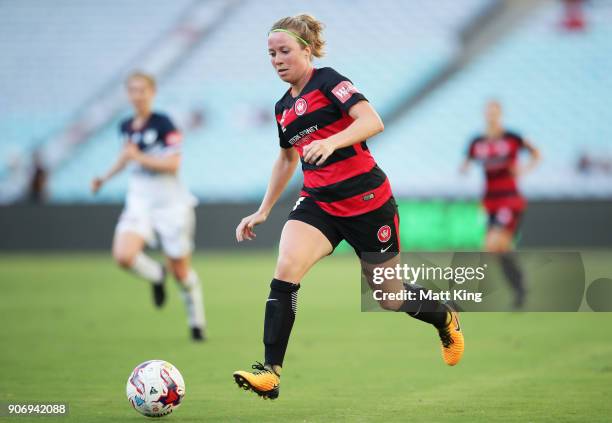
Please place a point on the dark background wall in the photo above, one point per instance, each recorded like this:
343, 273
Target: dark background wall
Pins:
85, 227
567, 224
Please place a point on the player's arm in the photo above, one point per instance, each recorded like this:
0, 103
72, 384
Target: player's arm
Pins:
465, 166
282, 171
169, 163
534, 158
117, 167
366, 123
469, 157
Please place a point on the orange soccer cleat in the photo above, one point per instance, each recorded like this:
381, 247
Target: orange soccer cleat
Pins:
264, 381
452, 339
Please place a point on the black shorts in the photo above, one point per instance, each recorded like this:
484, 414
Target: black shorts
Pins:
375, 234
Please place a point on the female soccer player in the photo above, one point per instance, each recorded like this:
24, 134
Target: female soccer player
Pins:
157, 202
324, 121
498, 150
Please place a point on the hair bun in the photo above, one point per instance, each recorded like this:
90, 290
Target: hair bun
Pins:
308, 28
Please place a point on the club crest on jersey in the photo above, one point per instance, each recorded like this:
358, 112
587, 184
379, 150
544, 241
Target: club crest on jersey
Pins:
384, 233
300, 106
149, 136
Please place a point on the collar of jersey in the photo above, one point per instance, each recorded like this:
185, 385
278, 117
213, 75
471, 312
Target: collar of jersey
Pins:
305, 85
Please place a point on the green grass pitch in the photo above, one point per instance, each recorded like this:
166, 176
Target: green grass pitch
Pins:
73, 327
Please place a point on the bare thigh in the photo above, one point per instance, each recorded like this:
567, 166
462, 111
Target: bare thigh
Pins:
126, 246
498, 240
301, 246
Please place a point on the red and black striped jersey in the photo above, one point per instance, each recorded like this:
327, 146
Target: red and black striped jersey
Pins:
499, 158
349, 182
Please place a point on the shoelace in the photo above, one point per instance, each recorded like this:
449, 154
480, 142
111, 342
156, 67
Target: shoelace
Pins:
260, 368
445, 336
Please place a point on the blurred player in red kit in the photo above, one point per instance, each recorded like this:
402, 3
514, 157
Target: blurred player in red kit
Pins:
498, 150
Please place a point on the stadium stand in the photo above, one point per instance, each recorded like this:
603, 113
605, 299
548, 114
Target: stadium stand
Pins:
548, 96
54, 61
223, 91
228, 84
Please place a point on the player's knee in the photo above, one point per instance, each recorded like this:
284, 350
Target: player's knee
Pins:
180, 272
492, 246
289, 267
390, 305
503, 248
123, 259
498, 246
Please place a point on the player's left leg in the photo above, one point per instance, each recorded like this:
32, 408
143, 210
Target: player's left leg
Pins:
440, 315
132, 233
176, 229
375, 237
499, 239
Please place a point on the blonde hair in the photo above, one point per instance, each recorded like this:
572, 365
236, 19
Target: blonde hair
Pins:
306, 27
150, 79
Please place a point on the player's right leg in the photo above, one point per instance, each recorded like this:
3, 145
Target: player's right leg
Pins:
193, 297
301, 246
128, 252
175, 226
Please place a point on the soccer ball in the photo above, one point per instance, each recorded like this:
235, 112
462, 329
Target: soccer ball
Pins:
155, 388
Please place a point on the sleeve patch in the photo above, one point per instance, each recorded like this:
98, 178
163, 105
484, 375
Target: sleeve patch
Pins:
174, 138
344, 91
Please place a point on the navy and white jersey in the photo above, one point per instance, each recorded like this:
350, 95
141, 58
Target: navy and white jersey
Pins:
157, 137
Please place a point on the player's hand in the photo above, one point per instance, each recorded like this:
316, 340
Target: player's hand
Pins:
96, 184
318, 151
246, 226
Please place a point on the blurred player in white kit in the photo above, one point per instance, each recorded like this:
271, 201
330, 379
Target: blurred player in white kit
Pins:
157, 203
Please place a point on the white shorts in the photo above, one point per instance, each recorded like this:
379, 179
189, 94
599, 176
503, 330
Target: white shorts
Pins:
174, 226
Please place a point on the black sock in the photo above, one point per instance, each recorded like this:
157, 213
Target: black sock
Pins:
429, 311
280, 315
513, 273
